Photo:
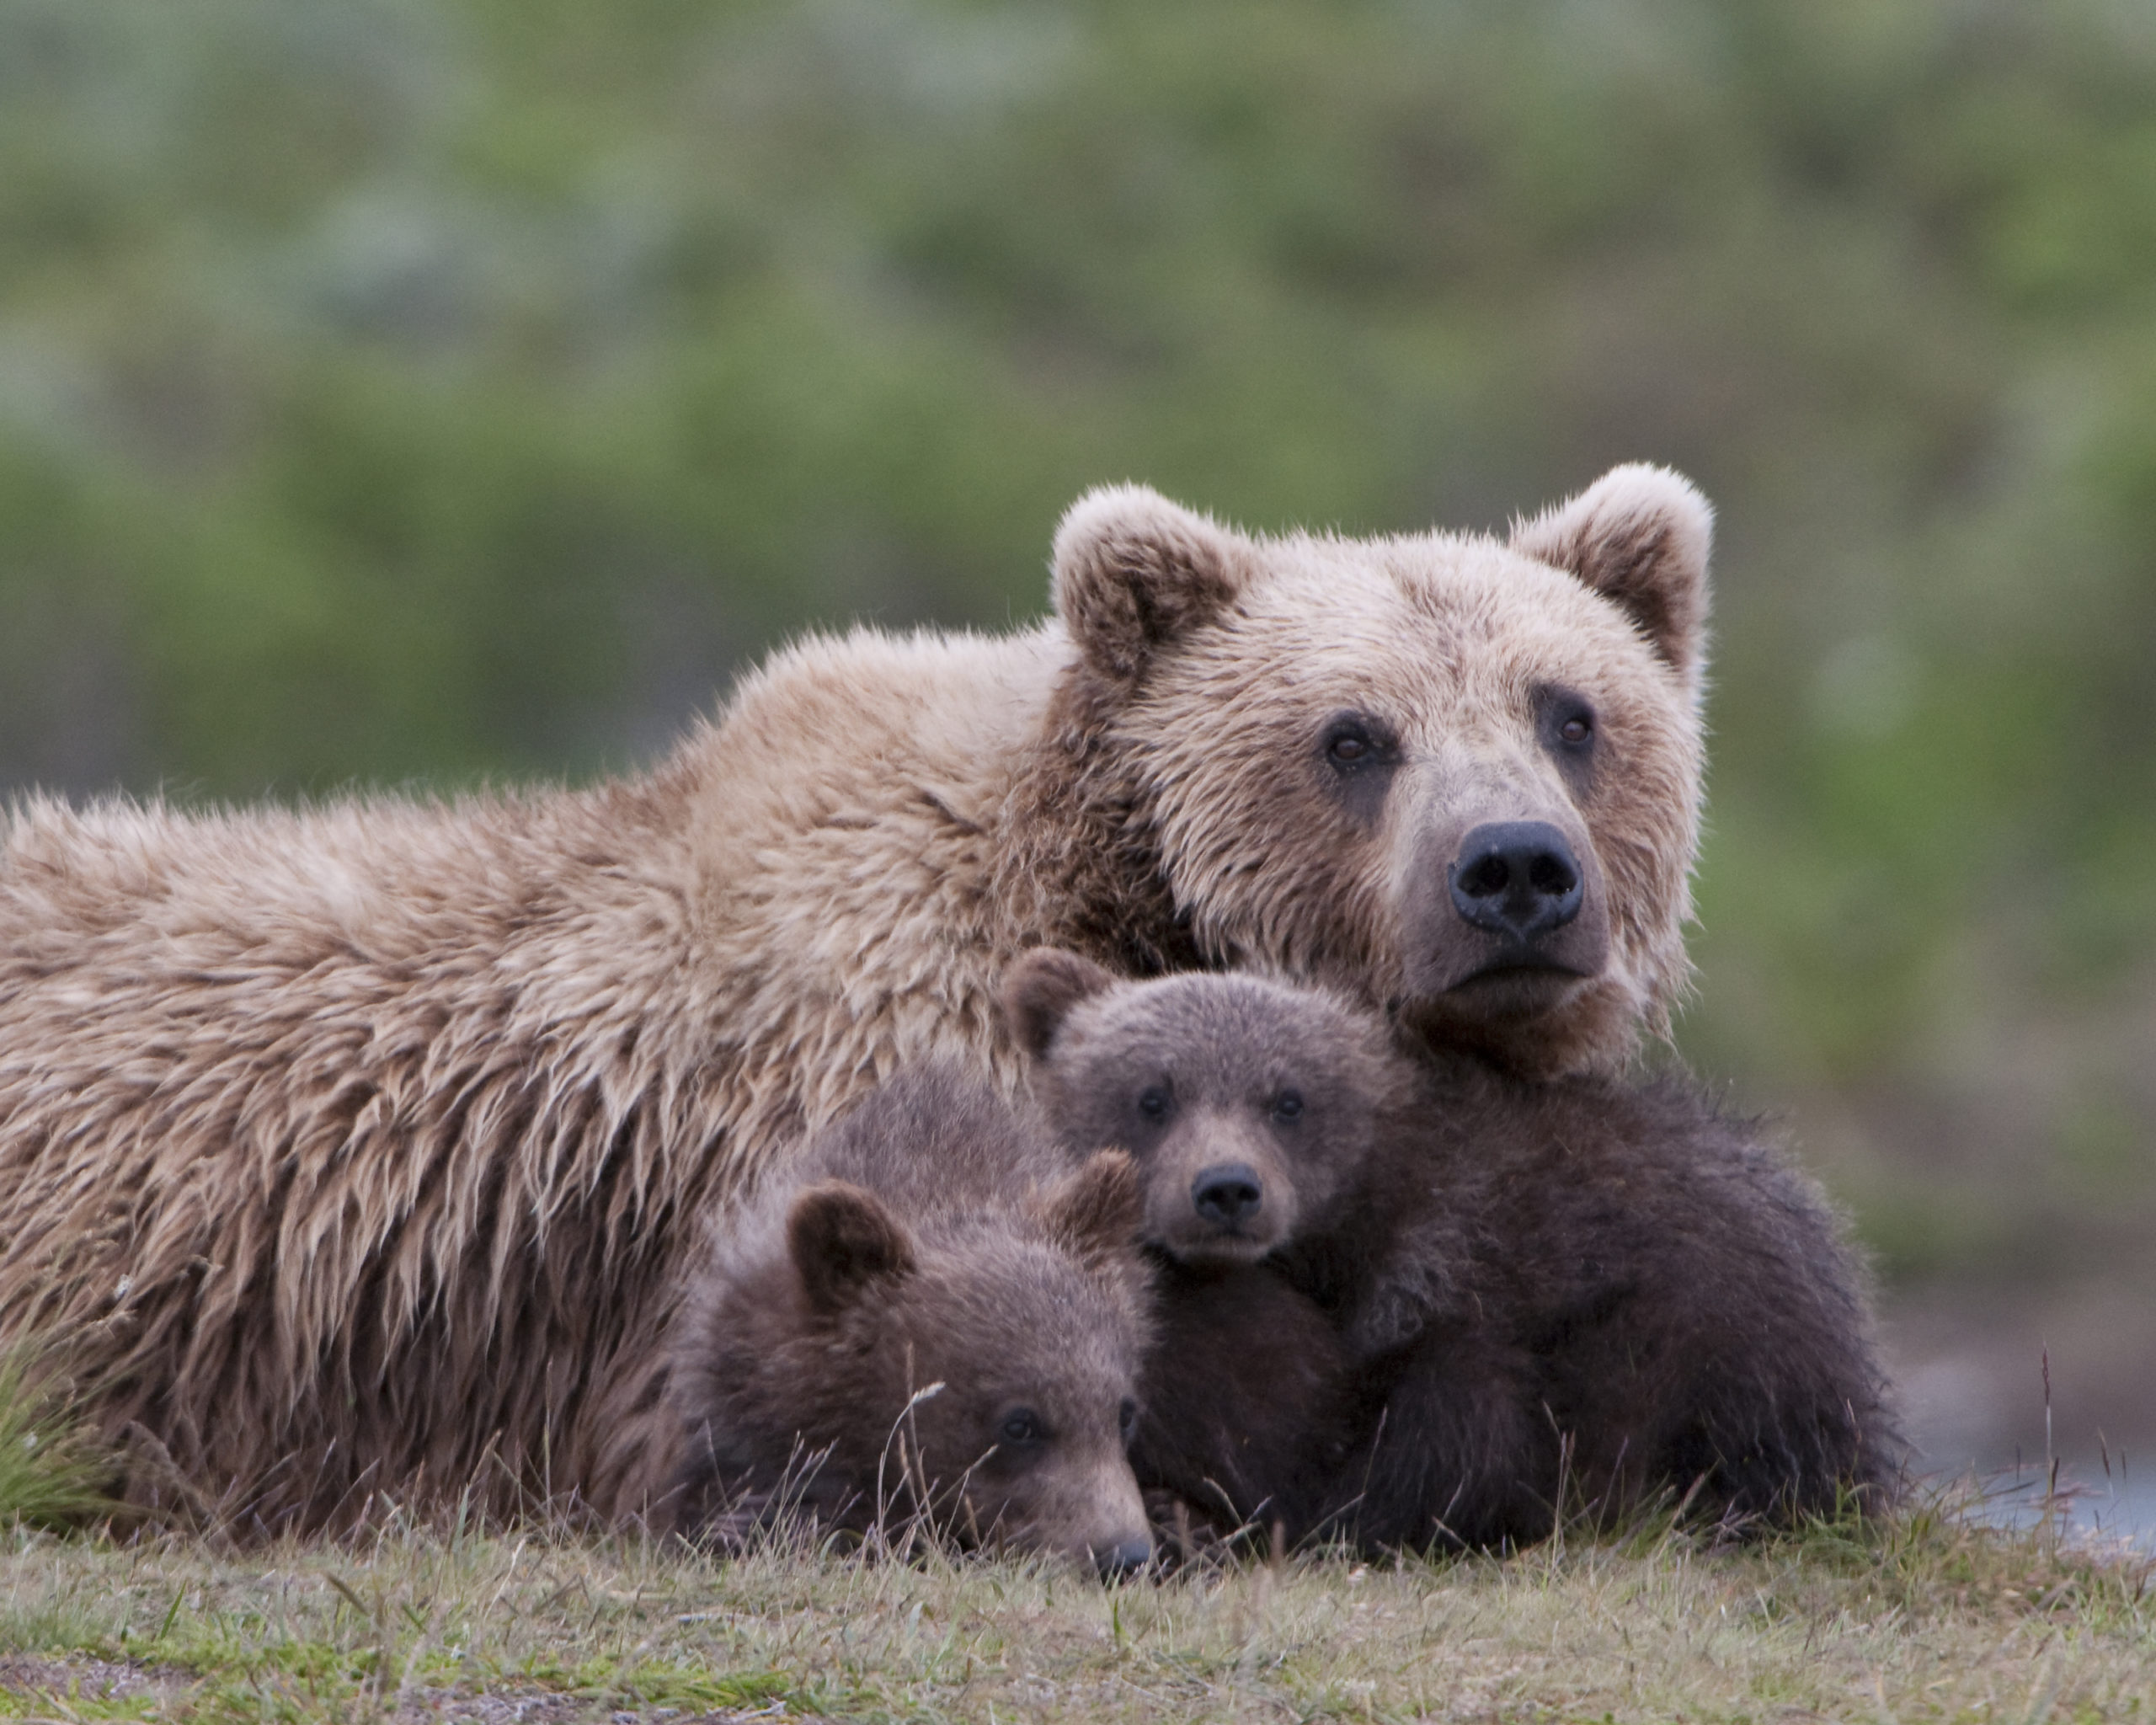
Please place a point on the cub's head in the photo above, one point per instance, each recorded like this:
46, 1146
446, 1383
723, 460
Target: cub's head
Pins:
1247, 1104
978, 1371
1455, 776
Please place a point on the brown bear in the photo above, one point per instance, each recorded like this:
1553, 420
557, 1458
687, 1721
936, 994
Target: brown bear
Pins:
923, 1321
364, 1146
1419, 1300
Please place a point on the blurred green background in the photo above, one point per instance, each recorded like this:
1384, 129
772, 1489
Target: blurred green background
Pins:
397, 392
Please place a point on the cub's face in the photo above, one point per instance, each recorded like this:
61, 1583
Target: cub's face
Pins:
1457, 778
983, 1377
1246, 1104
1026, 1446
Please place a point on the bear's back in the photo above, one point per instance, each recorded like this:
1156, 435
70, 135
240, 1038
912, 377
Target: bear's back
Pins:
935, 1141
1686, 1292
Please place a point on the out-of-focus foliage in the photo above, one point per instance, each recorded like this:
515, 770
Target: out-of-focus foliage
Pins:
398, 390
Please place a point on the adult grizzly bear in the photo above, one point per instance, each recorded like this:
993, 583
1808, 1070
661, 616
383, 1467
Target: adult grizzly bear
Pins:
934, 1315
356, 1147
1416, 1301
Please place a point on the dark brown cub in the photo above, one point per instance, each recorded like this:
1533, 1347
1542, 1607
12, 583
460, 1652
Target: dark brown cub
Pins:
1493, 1295
936, 1318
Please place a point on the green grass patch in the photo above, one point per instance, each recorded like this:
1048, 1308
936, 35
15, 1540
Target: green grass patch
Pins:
1930, 1614
51, 1475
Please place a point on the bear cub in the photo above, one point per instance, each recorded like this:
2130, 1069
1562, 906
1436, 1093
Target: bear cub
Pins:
934, 1318
1412, 1301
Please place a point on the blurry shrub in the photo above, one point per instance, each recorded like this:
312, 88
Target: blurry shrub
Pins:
440, 389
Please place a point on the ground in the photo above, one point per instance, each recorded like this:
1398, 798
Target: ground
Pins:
1932, 1617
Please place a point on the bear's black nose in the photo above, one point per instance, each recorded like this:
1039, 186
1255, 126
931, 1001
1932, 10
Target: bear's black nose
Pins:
1126, 1558
1517, 879
1227, 1194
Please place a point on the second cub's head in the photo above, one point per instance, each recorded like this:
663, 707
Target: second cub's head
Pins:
1249, 1105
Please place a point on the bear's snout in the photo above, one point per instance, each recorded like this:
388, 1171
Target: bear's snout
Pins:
1227, 1194
1125, 1558
1506, 919
1517, 879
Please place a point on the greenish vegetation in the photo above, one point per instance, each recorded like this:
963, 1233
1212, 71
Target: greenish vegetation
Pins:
51, 1474
435, 389
1929, 1618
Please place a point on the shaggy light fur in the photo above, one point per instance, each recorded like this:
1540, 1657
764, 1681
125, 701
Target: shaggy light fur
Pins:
1220, 660
357, 1148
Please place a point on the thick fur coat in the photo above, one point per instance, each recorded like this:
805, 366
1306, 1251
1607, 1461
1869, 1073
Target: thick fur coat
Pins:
933, 1317
1446, 1304
361, 1148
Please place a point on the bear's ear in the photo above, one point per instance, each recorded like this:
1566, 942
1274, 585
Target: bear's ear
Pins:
1133, 572
1040, 989
1640, 536
842, 1241
1097, 1210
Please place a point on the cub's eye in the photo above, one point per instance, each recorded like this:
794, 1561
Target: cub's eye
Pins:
1577, 729
1287, 1106
1126, 1420
1153, 1104
1349, 746
1022, 1428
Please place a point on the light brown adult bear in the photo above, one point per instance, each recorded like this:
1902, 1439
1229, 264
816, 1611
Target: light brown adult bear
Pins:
934, 1319
356, 1148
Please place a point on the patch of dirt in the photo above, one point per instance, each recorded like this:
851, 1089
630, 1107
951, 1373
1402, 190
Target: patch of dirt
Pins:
450, 1707
98, 1680
111, 1680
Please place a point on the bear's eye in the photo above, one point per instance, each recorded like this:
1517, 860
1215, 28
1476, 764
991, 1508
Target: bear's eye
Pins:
1287, 1106
1357, 753
1153, 1104
1354, 740
1022, 1428
1127, 1420
1567, 721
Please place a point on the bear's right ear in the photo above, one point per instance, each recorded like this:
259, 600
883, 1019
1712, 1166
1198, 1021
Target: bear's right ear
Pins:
1040, 988
1096, 1212
842, 1241
1133, 572
1640, 536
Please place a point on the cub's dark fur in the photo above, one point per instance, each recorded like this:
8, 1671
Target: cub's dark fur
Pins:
1480, 1297
935, 1314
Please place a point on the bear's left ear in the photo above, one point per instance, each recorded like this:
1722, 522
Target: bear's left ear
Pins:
1640, 536
843, 1241
1133, 572
1040, 988
1097, 1211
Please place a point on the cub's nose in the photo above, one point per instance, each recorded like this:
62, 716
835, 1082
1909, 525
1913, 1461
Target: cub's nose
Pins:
1227, 1194
1126, 1558
1517, 878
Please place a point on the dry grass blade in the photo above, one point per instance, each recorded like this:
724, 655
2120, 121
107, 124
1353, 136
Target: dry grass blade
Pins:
1932, 1614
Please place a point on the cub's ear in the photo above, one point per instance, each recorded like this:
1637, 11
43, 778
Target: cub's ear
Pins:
1097, 1211
1040, 988
842, 1241
1133, 572
1640, 536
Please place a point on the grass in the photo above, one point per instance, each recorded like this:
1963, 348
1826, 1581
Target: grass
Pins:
49, 1477
1931, 1615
